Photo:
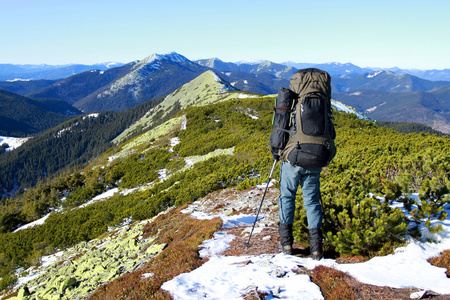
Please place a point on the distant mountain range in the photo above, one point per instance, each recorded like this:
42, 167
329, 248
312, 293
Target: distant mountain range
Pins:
14, 72
385, 81
128, 85
430, 108
11, 72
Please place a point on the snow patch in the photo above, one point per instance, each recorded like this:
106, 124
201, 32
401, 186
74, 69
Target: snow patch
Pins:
106, 195
49, 259
173, 142
251, 115
372, 109
229, 277
219, 243
183, 124
342, 107
93, 115
372, 75
407, 267
59, 133
147, 275
162, 174
18, 79
12, 142
32, 224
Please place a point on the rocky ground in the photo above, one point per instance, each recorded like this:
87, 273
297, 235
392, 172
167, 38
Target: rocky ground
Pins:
265, 237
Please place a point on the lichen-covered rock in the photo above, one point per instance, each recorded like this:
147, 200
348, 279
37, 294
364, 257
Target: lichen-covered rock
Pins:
23, 294
69, 281
80, 270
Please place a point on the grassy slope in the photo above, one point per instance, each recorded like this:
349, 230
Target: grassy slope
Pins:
201, 91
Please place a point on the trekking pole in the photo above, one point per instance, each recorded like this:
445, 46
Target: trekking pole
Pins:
256, 219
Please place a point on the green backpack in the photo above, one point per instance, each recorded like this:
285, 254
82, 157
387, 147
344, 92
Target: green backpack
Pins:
307, 138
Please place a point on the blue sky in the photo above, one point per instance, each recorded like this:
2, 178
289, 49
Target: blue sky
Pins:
383, 33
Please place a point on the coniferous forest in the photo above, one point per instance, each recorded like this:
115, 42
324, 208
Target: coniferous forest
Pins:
408, 127
21, 116
68, 145
373, 167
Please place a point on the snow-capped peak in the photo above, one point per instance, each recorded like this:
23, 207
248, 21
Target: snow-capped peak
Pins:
372, 75
110, 64
250, 61
172, 56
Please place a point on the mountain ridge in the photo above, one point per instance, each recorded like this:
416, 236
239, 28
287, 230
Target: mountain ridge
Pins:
128, 85
334, 68
385, 81
205, 89
427, 108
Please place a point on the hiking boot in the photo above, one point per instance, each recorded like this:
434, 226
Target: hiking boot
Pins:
315, 243
285, 249
285, 231
287, 239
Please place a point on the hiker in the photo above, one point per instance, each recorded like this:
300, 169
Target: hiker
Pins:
305, 143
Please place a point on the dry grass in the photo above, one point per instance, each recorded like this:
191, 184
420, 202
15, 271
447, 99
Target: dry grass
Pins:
442, 261
183, 235
337, 285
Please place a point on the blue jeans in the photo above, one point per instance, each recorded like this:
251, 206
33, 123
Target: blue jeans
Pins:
309, 179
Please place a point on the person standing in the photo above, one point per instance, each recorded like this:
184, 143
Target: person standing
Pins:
308, 148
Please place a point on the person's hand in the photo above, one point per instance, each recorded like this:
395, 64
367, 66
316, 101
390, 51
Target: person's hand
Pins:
275, 154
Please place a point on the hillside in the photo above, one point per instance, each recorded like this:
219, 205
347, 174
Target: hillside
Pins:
428, 108
220, 151
206, 89
23, 87
93, 135
22, 116
226, 263
68, 145
409, 127
79, 86
385, 81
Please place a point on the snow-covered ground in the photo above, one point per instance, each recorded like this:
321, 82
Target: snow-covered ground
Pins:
32, 224
12, 142
345, 108
227, 277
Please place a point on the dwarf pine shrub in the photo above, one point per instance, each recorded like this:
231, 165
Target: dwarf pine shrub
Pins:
374, 167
